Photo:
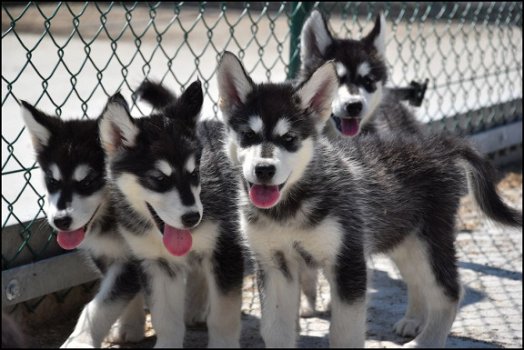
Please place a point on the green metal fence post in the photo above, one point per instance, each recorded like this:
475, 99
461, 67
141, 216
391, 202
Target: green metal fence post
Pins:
299, 12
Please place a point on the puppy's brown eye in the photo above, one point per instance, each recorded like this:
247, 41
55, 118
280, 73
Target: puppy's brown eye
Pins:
195, 174
289, 138
368, 83
250, 136
157, 177
86, 183
89, 180
51, 182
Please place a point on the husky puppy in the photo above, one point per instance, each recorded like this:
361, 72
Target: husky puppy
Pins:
175, 196
362, 104
78, 207
197, 299
308, 200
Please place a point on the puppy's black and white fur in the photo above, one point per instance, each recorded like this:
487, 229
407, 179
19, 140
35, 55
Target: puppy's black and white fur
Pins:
168, 173
78, 207
362, 103
329, 204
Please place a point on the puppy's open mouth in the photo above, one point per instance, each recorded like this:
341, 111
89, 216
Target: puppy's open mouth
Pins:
264, 196
177, 241
72, 239
349, 126
159, 223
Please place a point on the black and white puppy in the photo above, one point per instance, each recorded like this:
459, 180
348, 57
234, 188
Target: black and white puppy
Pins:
362, 103
79, 209
329, 204
175, 196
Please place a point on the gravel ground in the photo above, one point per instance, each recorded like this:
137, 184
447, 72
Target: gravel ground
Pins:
490, 261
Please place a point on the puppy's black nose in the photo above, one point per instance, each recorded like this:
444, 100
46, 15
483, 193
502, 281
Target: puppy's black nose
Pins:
265, 172
354, 108
190, 219
63, 223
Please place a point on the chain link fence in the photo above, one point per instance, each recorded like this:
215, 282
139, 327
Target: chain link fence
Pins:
67, 58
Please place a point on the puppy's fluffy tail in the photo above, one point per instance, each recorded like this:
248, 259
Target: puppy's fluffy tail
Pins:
481, 182
155, 94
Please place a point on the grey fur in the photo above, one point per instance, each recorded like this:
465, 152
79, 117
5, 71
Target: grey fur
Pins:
174, 136
280, 260
318, 45
380, 193
306, 256
392, 115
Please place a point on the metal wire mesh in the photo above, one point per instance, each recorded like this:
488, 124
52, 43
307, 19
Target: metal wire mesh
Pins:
67, 58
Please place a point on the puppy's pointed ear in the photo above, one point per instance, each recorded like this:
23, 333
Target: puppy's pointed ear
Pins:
233, 84
117, 129
39, 125
377, 37
189, 104
314, 40
317, 93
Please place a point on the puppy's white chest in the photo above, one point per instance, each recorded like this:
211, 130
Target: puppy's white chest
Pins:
266, 236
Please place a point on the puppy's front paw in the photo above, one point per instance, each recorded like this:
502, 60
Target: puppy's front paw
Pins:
129, 332
76, 344
408, 327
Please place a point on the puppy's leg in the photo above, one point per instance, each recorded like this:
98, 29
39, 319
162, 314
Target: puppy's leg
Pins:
120, 284
130, 326
225, 273
348, 280
280, 302
164, 286
223, 322
407, 257
197, 297
441, 314
435, 279
308, 282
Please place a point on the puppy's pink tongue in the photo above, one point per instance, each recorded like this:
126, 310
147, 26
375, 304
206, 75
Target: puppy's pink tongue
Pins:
263, 196
349, 126
178, 242
70, 239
